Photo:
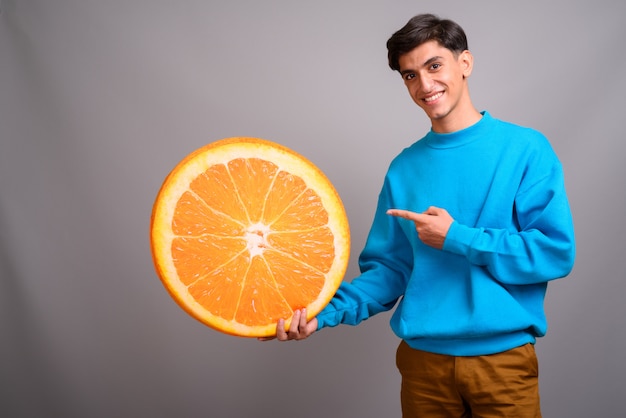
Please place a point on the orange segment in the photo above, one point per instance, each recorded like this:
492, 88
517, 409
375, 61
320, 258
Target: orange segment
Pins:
245, 231
313, 248
215, 188
299, 283
219, 290
193, 217
261, 301
286, 189
253, 178
195, 258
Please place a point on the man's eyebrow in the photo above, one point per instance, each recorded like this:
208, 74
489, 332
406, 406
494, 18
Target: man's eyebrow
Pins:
431, 60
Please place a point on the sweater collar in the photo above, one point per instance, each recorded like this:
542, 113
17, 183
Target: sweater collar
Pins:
461, 137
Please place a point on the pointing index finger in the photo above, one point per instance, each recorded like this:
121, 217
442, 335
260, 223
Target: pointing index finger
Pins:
406, 214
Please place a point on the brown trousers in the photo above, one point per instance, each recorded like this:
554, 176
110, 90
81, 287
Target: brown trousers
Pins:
499, 385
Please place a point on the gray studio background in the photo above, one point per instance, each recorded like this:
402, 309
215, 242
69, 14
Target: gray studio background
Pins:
100, 99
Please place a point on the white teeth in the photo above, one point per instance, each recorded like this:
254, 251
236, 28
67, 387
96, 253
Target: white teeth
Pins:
435, 97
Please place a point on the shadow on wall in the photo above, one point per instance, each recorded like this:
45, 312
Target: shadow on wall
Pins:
30, 389
27, 377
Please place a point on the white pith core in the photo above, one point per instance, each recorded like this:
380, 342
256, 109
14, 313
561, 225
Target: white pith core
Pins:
256, 237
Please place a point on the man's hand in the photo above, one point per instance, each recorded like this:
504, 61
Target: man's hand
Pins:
432, 225
298, 330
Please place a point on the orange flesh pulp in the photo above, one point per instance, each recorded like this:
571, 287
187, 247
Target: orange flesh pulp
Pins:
244, 232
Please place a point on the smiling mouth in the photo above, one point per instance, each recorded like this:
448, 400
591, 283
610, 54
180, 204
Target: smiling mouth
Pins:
433, 97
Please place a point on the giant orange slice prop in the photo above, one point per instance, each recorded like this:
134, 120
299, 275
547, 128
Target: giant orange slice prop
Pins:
245, 231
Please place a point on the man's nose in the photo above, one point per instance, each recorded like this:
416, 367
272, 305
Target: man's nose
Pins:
426, 83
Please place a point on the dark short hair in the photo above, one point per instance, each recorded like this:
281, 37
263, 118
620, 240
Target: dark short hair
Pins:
423, 28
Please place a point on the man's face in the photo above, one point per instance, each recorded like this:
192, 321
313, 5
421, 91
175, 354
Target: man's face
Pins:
436, 80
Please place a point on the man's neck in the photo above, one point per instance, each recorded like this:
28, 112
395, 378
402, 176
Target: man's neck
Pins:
453, 123
463, 116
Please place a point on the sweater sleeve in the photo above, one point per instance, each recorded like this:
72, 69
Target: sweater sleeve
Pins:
385, 263
541, 249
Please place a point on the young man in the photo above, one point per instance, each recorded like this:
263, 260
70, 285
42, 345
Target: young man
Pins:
471, 224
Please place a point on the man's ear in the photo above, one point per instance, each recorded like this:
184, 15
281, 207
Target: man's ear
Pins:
466, 61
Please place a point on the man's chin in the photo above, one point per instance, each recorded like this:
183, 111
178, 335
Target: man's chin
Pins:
435, 115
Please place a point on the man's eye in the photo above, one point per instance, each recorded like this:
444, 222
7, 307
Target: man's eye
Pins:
435, 66
409, 76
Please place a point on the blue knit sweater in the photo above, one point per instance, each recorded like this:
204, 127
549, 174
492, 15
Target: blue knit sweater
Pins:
482, 293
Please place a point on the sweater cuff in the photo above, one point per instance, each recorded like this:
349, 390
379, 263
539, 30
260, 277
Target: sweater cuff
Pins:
322, 317
320, 324
459, 238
